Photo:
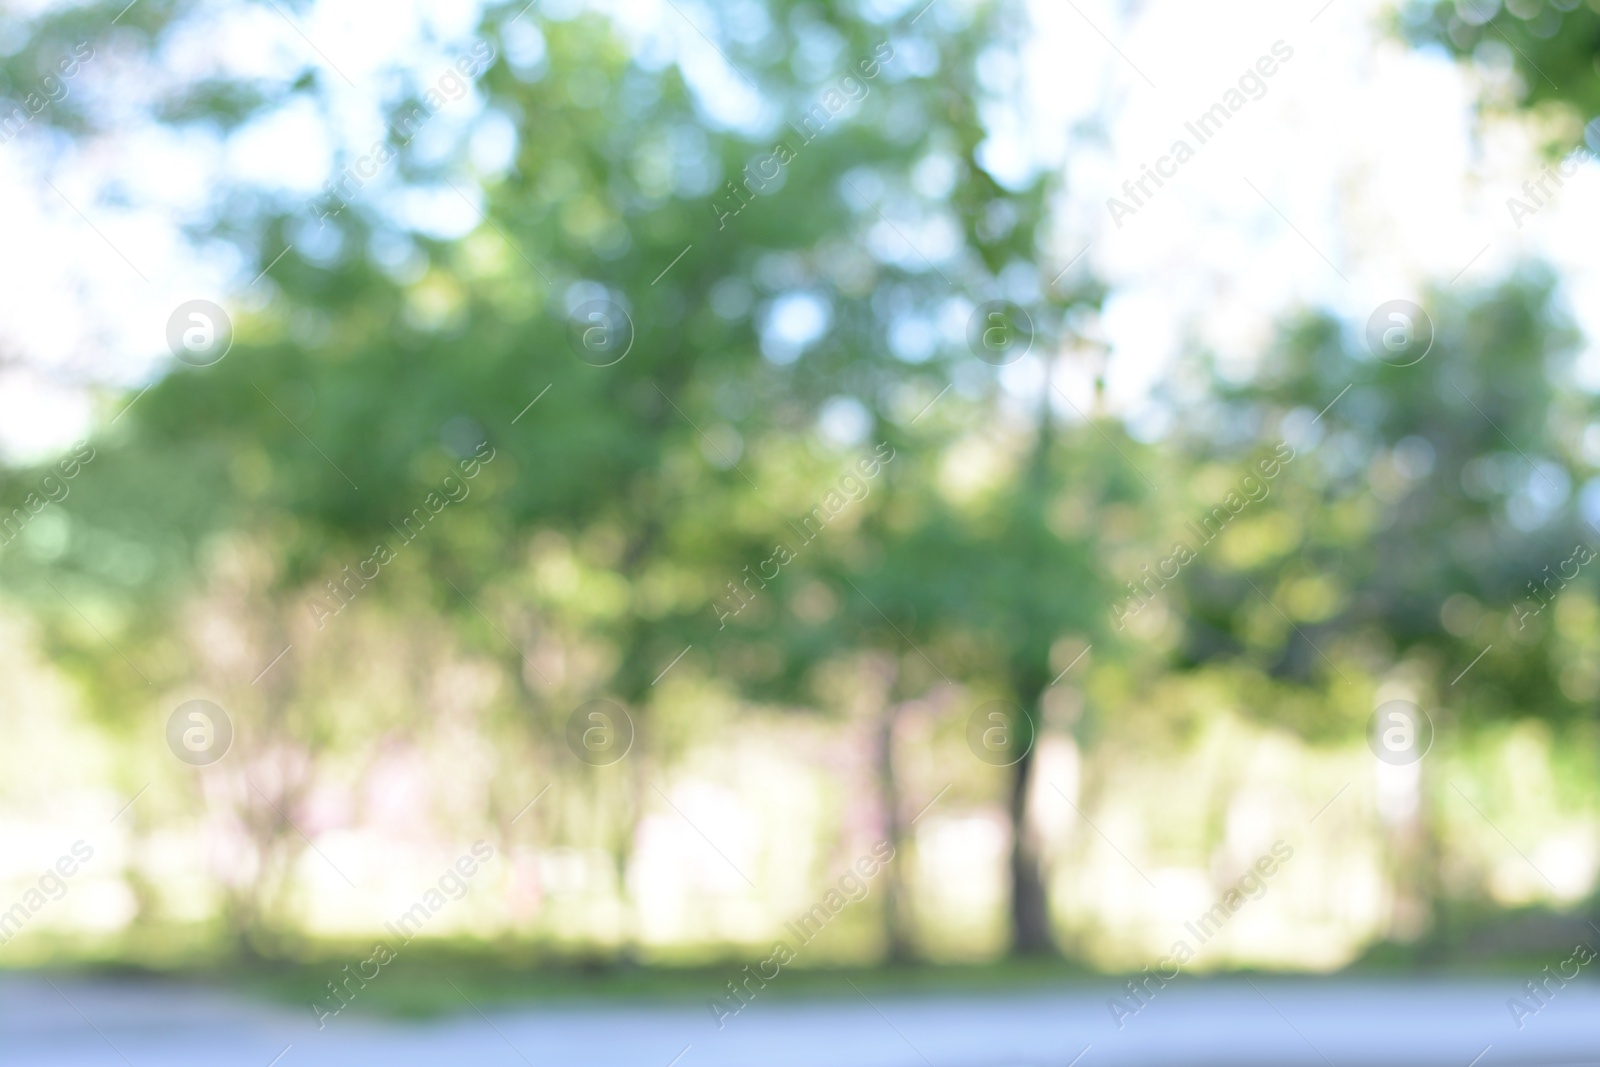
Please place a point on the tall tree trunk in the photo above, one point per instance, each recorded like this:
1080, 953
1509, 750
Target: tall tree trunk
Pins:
1030, 673
1030, 902
897, 905
271, 787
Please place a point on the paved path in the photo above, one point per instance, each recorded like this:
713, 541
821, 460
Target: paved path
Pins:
1334, 1023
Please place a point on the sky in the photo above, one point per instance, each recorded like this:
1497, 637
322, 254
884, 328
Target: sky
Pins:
1359, 171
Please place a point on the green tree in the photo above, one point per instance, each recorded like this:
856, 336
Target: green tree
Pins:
762, 274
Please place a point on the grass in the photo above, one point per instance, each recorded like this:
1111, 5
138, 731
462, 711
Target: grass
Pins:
423, 982
430, 979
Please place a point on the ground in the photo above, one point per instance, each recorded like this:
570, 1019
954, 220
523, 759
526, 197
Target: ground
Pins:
64, 1021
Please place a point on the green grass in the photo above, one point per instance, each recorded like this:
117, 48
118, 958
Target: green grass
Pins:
431, 979
434, 980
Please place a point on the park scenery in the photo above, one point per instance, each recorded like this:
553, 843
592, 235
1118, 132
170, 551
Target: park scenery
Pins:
851, 532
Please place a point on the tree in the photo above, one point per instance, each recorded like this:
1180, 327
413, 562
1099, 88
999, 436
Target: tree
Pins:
745, 278
1551, 46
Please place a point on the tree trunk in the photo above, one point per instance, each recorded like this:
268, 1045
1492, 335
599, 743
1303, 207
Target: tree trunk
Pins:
897, 905
1030, 673
1030, 902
